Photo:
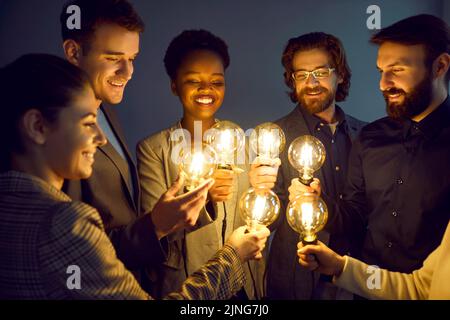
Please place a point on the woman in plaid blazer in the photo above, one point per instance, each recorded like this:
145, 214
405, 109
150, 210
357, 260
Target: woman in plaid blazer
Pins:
51, 246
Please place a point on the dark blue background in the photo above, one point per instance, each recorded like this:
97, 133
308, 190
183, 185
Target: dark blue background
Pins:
256, 32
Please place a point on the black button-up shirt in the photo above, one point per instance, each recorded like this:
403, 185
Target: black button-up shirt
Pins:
337, 146
398, 190
333, 173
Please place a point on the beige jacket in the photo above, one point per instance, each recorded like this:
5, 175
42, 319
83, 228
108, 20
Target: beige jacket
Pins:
157, 172
432, 281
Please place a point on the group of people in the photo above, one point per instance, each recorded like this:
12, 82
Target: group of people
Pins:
71, 195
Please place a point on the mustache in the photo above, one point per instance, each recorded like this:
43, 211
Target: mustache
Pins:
393, 91
313, 90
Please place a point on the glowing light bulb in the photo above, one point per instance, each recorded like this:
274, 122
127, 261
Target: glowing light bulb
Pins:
307, 155
259, 207
307, 214
267, 140
197, 166
227, 139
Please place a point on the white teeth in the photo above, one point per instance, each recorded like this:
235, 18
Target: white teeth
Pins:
88, 155
204, 100
116, 84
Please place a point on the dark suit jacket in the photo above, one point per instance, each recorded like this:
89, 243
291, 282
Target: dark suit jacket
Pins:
109, 191
285, 277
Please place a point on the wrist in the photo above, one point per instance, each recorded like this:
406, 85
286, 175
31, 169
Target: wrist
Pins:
340, 263
159, 233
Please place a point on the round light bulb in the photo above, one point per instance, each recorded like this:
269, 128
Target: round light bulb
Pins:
227, 139
198, 165
259, 207
267, 140
307, 155
307, 214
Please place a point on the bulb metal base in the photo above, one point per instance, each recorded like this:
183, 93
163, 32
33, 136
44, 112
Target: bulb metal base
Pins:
306, 182
225, 167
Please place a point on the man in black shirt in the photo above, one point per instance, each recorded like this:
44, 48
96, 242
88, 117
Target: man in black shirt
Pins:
317, 72
398, 187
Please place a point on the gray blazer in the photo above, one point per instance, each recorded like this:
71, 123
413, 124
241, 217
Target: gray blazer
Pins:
187, 250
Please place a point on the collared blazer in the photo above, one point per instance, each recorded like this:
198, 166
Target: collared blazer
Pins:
157, 173
109, 191
54, 248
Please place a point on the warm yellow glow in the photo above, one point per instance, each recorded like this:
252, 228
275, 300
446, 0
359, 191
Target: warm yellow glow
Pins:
196, 167
258, 208
268, 141
306, 155
226, 140
307, 215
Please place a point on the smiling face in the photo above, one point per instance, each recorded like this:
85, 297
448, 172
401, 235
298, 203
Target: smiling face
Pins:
405, 82
315, 95
73, 138
109, 61
200, 84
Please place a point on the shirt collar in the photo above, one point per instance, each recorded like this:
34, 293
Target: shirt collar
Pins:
432, 124
313, 122
436, 120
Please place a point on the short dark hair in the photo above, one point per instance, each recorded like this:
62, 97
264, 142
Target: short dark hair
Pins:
191, 40
425, 29
34, 81
97, 12
326, 42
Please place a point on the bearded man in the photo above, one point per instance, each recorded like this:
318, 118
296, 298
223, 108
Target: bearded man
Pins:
317, 73
398, 186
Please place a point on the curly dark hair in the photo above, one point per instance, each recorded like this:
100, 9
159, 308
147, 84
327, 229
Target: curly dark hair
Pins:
97, 12
317, 40
191, 40
425, 29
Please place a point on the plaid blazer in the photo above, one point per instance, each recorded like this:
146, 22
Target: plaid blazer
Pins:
43, 232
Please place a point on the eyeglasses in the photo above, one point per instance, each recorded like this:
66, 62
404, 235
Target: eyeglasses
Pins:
321, 73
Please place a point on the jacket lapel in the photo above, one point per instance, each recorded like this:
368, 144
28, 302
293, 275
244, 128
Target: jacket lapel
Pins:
297, 127
126, 167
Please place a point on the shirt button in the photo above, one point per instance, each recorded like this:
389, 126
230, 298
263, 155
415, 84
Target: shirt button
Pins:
340, 196
337, 168
399, 181
389, 244
332, 140
394, 213
321, 124
318, 129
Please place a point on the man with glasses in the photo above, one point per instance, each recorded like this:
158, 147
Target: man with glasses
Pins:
317, 72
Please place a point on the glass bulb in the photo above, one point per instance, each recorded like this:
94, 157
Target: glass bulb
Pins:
259, 207
267, 140
227, 139
307, 214
307, 155
198, 165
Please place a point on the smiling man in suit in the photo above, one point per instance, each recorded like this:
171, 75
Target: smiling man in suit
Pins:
105, 47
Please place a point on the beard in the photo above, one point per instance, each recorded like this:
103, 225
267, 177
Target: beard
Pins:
313, 104
414, 103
